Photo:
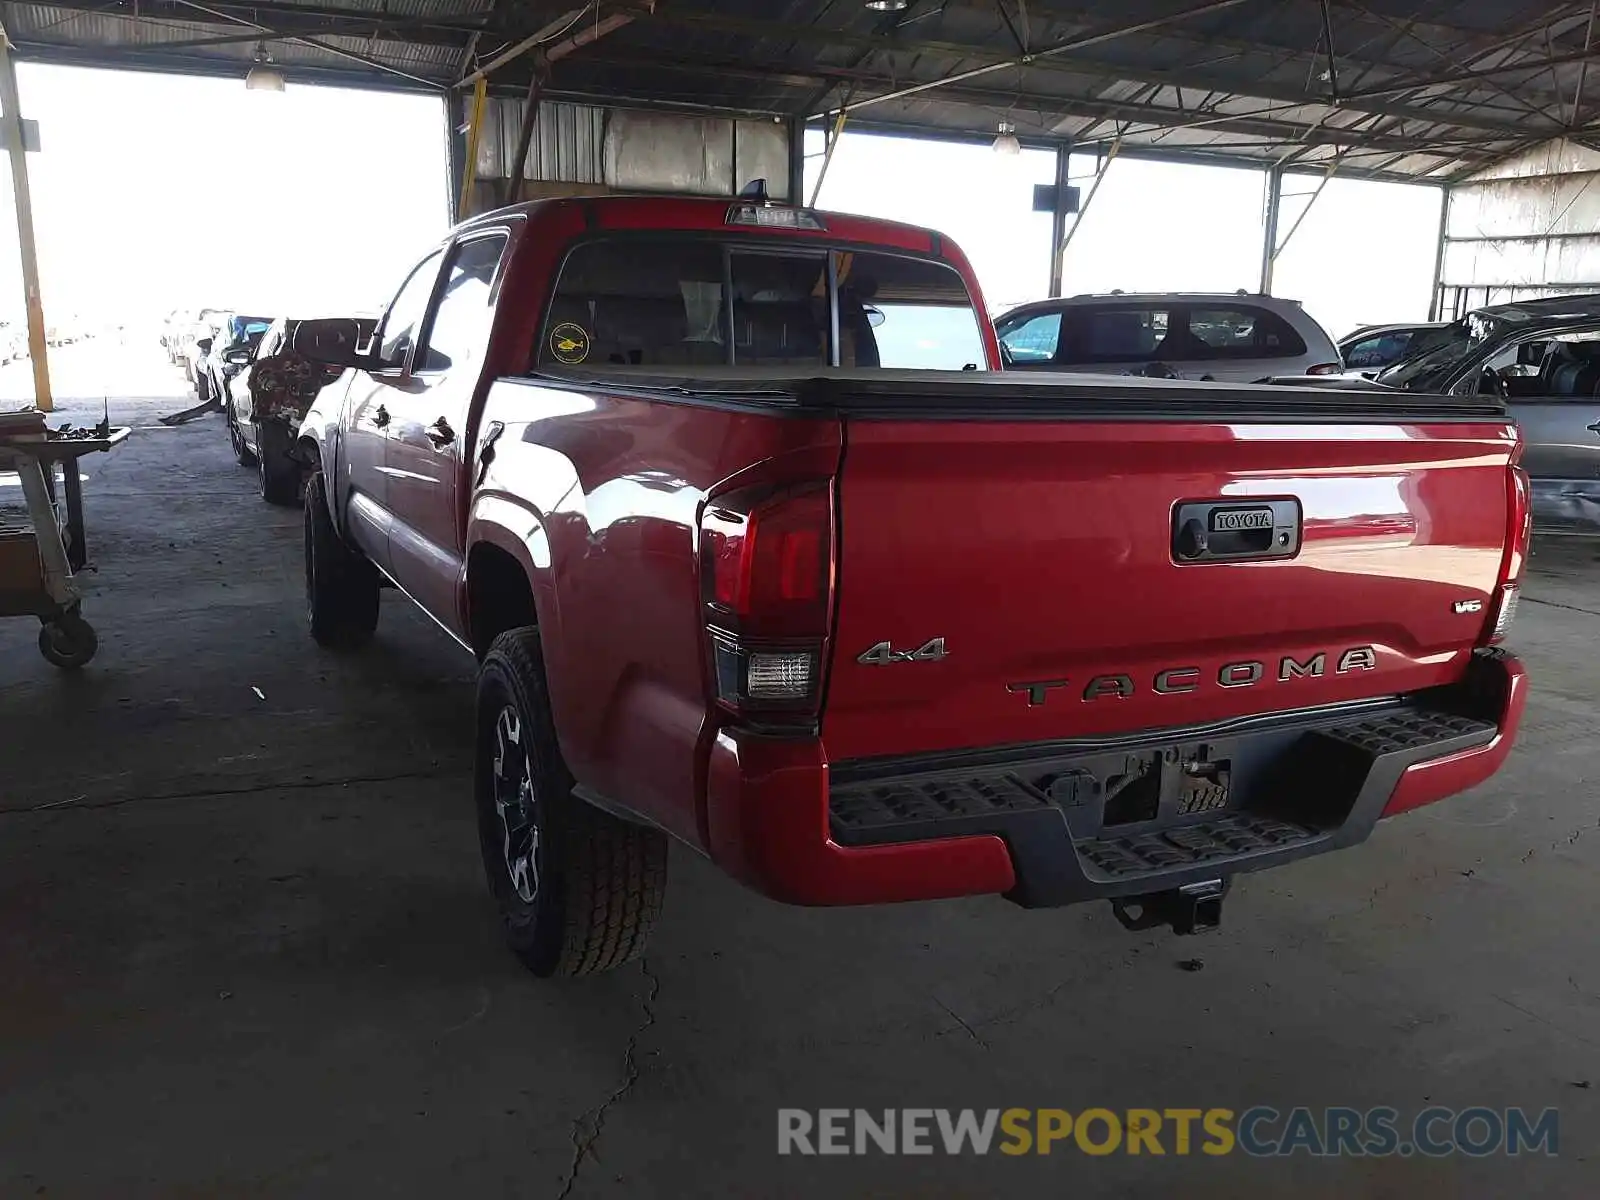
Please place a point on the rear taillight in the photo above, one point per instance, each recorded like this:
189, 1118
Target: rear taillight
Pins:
1519, 533
1325, 369
766, 563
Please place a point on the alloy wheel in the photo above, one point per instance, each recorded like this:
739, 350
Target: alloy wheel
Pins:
516, 805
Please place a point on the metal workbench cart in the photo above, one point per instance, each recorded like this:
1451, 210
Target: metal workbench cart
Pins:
35, 572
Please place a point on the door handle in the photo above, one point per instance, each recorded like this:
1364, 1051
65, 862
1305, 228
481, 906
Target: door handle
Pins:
486, 452
440, 433
381, 417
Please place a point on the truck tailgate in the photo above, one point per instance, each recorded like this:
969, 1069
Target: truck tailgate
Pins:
1046, 556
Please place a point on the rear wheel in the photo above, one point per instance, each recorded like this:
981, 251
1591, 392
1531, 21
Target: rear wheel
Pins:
578, 890
276, 471
341, 586
241, 449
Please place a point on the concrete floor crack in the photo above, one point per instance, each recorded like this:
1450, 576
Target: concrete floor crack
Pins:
1556, 604
271, 785
956, 1017
586, 1130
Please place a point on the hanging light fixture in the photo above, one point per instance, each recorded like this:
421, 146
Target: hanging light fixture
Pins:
263, 76
1006, 142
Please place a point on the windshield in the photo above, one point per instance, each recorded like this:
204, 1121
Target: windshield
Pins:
1444, 350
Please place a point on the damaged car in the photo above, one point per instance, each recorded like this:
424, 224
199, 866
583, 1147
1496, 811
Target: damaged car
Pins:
267, 399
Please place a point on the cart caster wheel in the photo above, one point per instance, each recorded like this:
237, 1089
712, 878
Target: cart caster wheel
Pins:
68, 643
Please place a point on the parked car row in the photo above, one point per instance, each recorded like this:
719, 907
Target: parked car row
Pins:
58, 332
242, 364
13, 341
1542, 359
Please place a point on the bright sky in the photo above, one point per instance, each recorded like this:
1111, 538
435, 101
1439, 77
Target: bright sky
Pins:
154, 192
1365, 253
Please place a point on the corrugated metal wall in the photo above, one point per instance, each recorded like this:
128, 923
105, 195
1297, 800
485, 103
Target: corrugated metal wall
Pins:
626, 150
1528, 227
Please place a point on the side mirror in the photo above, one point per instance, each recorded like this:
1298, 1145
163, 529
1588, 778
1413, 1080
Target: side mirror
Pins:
332, 341
203, 345
238, 356
875, 316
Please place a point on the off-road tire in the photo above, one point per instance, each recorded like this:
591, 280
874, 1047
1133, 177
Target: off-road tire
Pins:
600, 880
341, 586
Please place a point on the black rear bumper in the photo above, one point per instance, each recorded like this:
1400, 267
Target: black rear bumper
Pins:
1171, 808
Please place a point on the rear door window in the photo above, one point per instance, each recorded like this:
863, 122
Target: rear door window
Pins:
1241, 332
687, 302
459, 327
1121, 334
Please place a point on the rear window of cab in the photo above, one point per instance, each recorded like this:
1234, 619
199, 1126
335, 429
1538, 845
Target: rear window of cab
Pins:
689, 302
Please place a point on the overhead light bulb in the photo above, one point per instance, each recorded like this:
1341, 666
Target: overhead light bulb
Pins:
263, 76
1006, 143
888, 5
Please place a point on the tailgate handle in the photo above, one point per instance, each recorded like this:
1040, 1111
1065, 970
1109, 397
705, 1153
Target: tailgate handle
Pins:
1235, 530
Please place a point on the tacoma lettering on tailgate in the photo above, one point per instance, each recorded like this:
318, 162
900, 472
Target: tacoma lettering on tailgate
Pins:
1181, 680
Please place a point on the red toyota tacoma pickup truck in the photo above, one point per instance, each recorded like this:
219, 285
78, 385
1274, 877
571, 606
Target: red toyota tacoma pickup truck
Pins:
761, 551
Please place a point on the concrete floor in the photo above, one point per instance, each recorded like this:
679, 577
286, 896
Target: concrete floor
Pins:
245, 948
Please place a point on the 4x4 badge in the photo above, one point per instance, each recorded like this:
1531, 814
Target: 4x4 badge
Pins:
884, 654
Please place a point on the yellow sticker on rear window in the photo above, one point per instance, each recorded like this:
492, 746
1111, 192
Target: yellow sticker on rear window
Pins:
569, 343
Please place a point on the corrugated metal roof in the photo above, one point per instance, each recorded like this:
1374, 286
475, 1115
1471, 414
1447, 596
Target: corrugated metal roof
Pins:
1434, 88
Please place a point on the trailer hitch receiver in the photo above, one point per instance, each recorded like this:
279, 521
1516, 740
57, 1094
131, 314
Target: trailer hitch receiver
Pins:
1193, 908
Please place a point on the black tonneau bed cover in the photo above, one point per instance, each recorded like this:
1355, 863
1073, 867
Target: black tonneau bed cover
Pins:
870, 392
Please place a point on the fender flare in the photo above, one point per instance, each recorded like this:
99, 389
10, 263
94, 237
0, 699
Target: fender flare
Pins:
495, 520
322, 432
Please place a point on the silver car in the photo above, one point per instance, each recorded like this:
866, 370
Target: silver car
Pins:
1234, 337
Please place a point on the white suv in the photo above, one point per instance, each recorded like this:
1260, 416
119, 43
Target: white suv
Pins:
1234, 337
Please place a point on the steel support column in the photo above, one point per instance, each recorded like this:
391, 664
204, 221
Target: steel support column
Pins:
11, 103
530, 116
1058, 221
1269, 236
455, 128
827, 158
1435, 298
797, 160
1101, 168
